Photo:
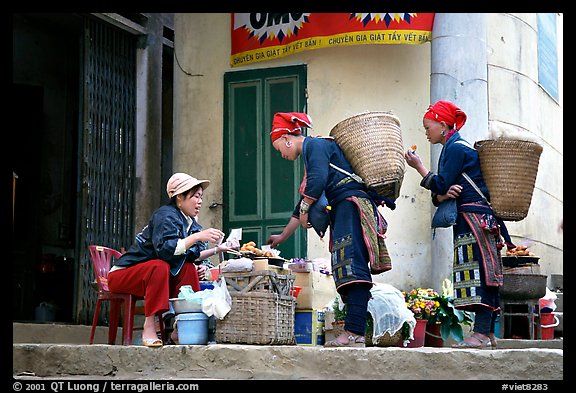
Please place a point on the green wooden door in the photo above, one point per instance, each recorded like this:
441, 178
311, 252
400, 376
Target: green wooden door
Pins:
260, 187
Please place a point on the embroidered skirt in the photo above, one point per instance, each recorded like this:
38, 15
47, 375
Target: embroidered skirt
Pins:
474, 255
348, 250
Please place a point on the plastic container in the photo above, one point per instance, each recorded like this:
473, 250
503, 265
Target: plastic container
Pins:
206, 285
192, 328
183, 306
214, 273
294, 292
548, 321
45, 312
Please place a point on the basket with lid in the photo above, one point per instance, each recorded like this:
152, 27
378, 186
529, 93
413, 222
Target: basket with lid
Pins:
372, 142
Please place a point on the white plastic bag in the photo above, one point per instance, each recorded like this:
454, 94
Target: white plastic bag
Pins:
389, 312
548, 301
219, 303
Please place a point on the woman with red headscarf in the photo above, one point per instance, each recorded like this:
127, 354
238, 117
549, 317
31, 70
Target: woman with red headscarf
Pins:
357, 227
477, 265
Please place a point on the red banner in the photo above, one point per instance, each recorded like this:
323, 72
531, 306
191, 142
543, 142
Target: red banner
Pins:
265, 36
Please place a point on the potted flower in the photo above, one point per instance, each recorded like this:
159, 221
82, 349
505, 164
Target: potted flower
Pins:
423, 304
449, 318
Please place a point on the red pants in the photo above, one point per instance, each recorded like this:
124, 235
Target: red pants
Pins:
153, 281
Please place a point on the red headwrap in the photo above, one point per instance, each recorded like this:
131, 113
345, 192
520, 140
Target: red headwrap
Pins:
447, 112
289, 123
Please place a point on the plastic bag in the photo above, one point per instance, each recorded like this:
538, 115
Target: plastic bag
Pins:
219, 303
389, 312
547, 301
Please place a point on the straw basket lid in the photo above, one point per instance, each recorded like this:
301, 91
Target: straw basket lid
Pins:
372, 142
509, 167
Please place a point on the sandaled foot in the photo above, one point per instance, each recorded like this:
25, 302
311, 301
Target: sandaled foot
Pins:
493, 342
152, 342
347, 339
475, 341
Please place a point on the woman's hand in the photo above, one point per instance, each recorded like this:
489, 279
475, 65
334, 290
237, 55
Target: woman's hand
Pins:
274, 240
211, 235
201, 271
229, 246
453, 192
304, 221
412, 159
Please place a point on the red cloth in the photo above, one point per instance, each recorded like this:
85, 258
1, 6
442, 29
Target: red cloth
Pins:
447, 112
289, 123
152, 280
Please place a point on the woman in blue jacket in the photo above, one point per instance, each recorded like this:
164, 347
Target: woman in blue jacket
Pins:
165, 254
357, 227
477, 264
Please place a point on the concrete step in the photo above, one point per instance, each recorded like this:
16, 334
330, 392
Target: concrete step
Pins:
283, 362
53, 350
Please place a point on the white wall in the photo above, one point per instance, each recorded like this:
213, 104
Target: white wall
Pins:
516, 98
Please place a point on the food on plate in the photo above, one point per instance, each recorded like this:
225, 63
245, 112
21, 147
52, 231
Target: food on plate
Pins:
251, 248
519, 251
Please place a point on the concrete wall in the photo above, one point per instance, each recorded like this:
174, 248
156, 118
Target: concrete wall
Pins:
348, 80
516, 99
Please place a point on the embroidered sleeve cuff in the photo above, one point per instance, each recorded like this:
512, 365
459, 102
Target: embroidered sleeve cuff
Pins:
427, 180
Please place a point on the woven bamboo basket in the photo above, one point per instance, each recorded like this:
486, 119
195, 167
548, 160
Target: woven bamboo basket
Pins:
386, 340
258, 318
372, 142
509, 168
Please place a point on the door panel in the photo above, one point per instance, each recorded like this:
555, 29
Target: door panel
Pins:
260, 187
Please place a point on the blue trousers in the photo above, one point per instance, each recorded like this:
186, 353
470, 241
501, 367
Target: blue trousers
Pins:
356, 300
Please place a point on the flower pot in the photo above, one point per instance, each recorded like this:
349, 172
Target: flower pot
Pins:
433, 336
419, 334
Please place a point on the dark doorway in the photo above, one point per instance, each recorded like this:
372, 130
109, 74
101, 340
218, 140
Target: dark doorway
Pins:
45, 106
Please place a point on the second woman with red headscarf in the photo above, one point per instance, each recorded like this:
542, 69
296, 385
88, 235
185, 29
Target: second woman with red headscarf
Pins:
357, 227
477, 265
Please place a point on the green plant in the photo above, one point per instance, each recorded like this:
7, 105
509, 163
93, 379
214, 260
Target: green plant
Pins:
339, 312
427, 304
450, 318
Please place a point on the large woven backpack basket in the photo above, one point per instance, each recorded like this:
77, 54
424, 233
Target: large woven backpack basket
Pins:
509, 167
372, 142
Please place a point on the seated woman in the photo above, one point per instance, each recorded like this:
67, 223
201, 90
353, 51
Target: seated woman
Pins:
164, 254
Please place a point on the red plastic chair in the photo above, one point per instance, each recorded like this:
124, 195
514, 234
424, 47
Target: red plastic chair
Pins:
102, 258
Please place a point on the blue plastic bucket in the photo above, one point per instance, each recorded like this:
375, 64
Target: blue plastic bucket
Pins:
206, 285
192, 328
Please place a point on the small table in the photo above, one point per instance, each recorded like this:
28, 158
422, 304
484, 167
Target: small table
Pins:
532, 313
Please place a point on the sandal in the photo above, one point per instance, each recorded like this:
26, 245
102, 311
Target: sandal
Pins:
354, 341
152, 342
493, 342
474, 342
